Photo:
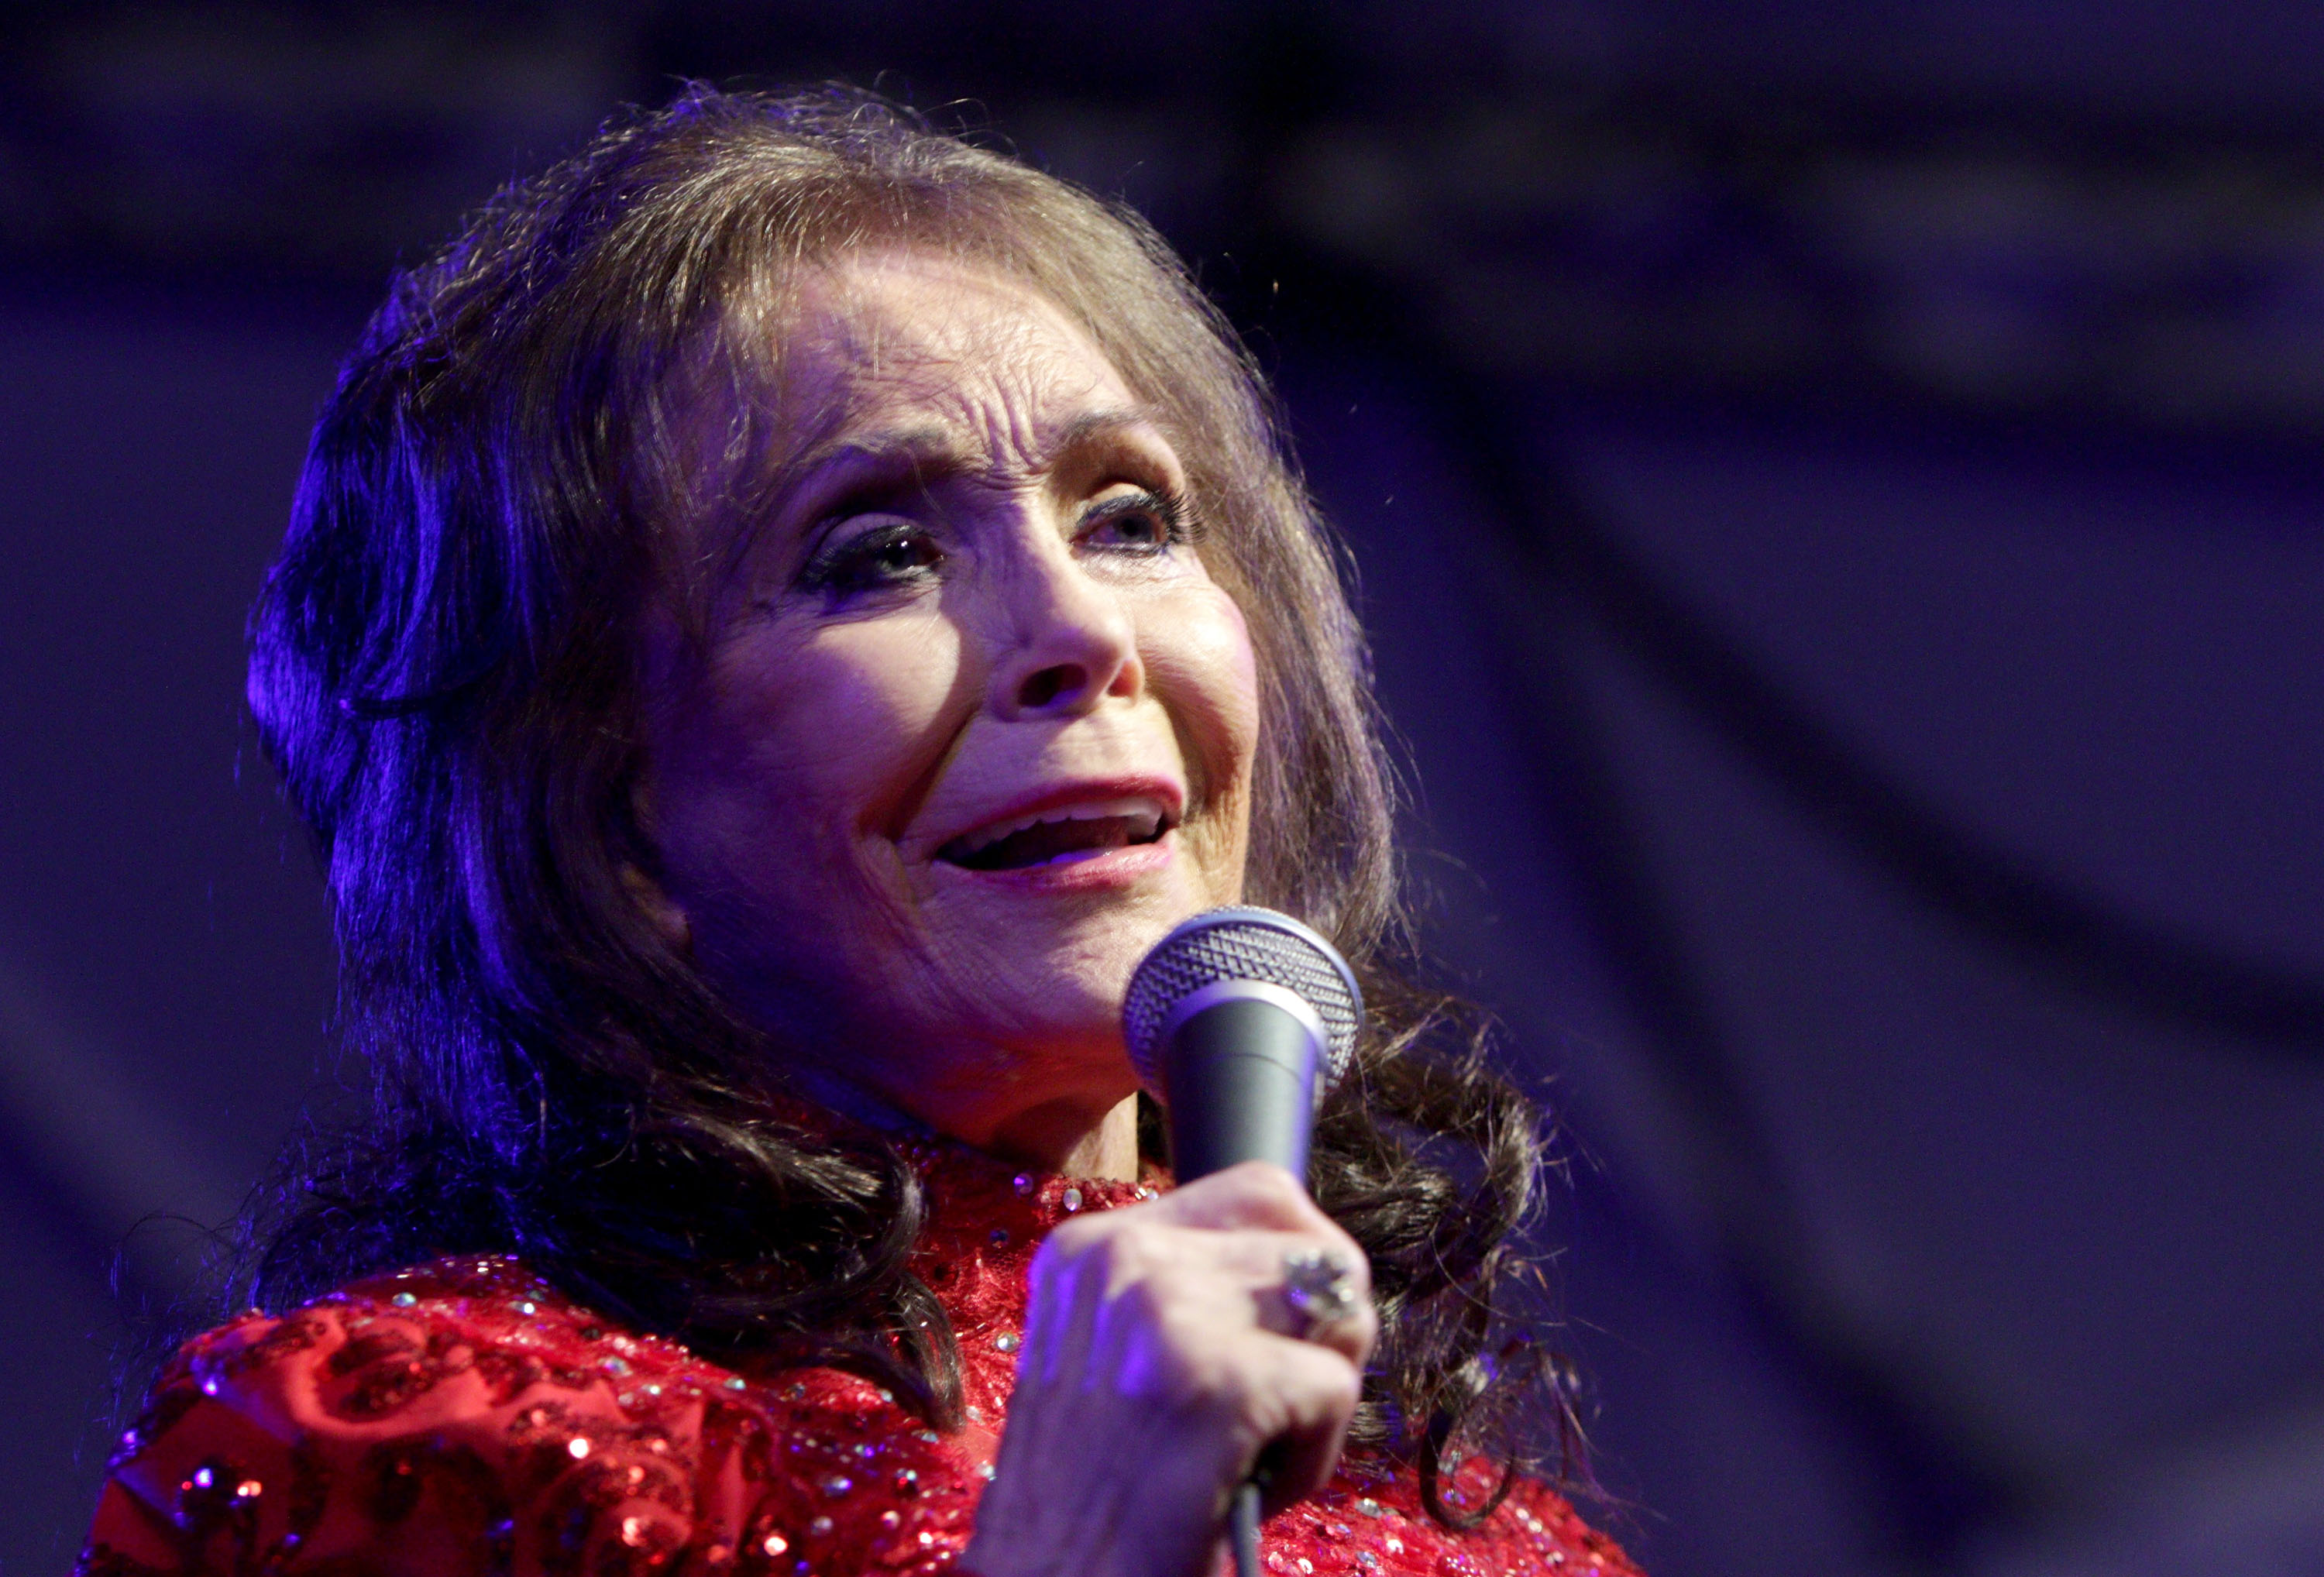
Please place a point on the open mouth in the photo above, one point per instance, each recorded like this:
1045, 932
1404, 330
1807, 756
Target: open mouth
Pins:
1059, 836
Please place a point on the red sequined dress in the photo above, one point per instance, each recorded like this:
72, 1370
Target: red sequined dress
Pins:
464, 1416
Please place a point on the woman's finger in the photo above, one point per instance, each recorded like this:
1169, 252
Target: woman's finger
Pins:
1301, 1399
1321, 1296
1254, 1195
1309, 1281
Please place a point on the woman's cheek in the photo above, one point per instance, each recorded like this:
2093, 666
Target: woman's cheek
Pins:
1200, 661
1204, 672
875, 706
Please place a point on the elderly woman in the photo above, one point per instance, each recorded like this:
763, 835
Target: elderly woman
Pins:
778, 618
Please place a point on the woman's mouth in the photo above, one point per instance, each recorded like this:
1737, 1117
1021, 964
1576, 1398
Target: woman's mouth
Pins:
1061, 835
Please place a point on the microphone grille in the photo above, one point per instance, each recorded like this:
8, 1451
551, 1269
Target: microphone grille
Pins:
1242, 943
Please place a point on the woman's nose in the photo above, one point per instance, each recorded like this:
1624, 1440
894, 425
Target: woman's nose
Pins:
1070, 643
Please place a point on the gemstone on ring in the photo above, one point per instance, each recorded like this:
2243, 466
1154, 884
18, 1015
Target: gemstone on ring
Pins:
1318, 1286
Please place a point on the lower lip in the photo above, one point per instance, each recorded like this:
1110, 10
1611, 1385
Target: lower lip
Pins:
1098, 872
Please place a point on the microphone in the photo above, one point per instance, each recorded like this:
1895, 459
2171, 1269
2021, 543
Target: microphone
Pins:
1238, 1022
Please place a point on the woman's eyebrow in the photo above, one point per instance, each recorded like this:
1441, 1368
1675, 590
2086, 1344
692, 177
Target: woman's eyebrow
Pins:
902, 454
1105, 424
912, 454
825, 472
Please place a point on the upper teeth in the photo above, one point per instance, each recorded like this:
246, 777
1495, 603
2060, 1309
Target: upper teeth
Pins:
1143, 811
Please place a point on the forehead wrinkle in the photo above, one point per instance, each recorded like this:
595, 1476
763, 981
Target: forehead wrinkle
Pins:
994, 356
946, 447
959, 396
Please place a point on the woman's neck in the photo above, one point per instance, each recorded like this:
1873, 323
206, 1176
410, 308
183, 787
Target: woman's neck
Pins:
1062, 1136
1065, 1141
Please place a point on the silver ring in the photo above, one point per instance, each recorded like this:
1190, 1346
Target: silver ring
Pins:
1318, 1286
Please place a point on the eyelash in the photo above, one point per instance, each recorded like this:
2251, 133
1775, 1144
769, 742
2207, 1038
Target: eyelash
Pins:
1164, 504
850, 566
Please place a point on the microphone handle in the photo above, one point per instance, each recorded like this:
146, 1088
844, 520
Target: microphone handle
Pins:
1242, 1528
1240, 1070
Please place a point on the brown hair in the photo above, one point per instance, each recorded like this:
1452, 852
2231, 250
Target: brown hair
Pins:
442, 673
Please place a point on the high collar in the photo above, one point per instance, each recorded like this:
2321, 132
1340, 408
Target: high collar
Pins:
972, 1195
976, 1198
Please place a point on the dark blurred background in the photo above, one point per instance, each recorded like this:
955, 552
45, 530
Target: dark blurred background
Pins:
1837, 491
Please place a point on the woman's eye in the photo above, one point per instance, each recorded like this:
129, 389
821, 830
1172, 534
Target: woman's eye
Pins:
885, 556
1137, 523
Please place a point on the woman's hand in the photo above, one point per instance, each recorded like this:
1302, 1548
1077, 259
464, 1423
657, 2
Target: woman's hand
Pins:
1160, 1357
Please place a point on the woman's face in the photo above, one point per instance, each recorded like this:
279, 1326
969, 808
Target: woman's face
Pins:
973, 727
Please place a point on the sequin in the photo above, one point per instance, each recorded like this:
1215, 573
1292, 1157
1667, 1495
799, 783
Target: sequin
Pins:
1022, 1184
691, 1488
404, 1300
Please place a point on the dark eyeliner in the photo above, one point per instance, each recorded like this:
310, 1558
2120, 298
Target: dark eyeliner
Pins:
1163, 504
844, 566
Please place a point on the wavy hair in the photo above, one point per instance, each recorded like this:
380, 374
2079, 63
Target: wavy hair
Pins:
443, 669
